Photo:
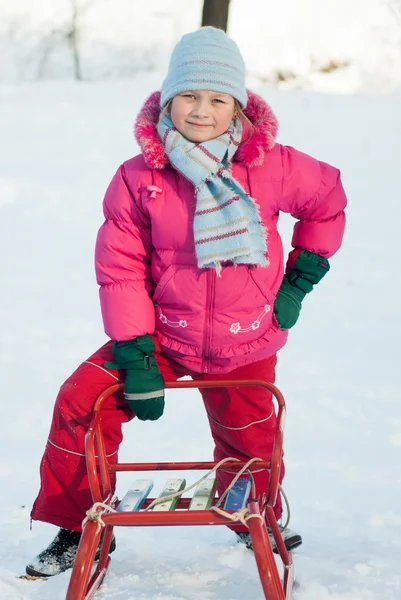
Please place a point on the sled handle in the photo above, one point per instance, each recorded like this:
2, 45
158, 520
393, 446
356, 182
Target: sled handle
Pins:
94, 436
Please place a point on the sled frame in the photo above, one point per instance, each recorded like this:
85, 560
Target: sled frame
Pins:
83, 584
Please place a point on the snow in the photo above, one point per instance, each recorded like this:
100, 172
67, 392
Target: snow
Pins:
61, 143
120, 38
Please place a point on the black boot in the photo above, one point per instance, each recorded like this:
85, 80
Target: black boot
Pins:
291, 539
59, 555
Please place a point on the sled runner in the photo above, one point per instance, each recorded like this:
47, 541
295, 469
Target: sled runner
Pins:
170, 508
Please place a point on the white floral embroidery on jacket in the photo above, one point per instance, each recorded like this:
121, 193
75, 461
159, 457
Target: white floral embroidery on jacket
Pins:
236, 327
166, 321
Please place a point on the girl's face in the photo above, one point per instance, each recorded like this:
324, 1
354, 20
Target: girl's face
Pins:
202, 115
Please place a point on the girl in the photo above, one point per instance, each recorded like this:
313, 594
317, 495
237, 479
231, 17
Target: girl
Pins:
190, 267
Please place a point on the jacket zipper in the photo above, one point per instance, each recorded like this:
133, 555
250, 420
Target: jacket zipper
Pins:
207, 333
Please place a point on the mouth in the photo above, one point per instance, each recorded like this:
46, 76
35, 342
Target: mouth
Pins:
198, 125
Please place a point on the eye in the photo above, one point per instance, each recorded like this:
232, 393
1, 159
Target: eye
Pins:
187, 95
218, 100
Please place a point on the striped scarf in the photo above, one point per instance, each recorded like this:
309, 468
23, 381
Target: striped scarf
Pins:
227, 224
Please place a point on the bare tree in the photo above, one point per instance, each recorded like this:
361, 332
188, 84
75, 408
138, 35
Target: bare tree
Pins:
72, 37
215, 13
66, 33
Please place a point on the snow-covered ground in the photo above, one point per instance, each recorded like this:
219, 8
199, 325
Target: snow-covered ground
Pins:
60, 145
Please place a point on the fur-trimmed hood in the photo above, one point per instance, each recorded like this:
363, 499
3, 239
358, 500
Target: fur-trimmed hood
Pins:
250, 153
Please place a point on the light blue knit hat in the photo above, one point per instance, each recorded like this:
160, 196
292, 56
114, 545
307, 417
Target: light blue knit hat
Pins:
206, 59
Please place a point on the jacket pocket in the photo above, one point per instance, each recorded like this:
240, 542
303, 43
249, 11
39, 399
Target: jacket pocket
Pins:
270, 297
243, 308
178, 301
163, 283
266, 293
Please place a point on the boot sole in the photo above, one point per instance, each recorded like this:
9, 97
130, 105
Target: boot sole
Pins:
291, 544
30, 571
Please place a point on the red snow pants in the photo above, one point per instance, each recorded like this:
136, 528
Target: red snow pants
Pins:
242, 422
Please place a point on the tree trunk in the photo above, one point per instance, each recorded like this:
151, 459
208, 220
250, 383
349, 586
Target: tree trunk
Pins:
215, 13
73, 39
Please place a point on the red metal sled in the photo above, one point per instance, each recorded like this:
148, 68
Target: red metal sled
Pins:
83, 584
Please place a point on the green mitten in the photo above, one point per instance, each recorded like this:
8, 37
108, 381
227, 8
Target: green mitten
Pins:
288, 304
307, 271
144, 384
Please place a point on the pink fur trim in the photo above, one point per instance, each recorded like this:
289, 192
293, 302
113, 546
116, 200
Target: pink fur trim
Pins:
251, 152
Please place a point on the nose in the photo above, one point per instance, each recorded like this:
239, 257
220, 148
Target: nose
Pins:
199, 110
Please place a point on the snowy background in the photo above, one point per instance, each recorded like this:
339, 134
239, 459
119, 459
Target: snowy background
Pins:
326, 45
61, 143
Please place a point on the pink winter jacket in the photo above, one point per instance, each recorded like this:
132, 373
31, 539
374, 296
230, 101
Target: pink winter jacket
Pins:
145, 254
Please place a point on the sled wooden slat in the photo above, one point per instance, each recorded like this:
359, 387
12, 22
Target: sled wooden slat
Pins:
136, 495
172, 486
237, 497
204, 495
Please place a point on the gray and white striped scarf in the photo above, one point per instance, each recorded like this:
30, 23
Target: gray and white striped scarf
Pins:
227, 224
